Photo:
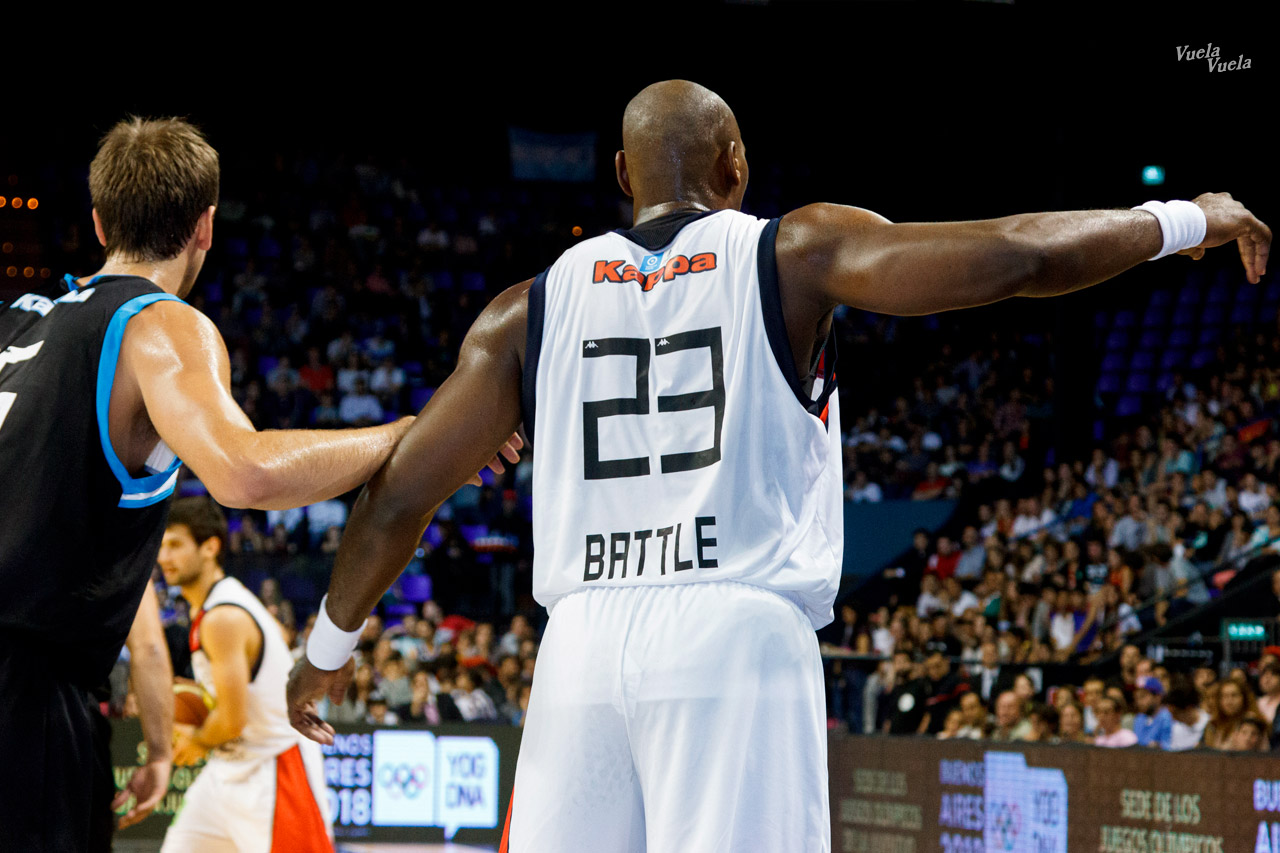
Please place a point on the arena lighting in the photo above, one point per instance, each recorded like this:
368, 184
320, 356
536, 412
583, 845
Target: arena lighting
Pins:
17, 202
1153, 176
44, 272
12, 272
6, 248
33, 203
577, 230
28, 272
3, 201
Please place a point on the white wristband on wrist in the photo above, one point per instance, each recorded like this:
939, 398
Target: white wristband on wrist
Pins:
328, 646
1182, 224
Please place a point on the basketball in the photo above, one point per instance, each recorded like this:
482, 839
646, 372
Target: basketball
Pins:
191, 702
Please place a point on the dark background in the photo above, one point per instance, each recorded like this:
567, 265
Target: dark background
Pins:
920, 111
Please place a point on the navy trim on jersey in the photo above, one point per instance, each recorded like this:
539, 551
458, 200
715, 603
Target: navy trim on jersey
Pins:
532, 349
136, 491
657, 233
775, 326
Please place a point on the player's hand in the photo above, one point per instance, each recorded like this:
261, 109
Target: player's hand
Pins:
186, 749
510, 450
307, 686
148, 784
1227, 220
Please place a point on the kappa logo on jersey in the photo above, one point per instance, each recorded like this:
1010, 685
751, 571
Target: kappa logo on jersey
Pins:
652, 270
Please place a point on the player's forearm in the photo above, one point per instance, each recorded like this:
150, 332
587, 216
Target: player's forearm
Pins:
380, 539
282, 469
1078, 249
151, 675
222, 725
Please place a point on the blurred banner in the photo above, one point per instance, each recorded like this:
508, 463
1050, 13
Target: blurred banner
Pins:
406, 783
564, 157
910, 795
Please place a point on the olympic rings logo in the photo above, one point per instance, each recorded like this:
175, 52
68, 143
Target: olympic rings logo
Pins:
402, 780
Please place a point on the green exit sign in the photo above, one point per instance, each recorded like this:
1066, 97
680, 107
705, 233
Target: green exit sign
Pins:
1246, 631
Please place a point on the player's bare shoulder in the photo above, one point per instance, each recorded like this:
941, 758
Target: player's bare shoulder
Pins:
170, 331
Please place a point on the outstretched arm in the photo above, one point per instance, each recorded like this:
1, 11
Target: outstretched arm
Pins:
458, 431
832, 255
183, 375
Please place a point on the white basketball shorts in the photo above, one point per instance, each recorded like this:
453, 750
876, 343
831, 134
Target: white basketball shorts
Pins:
674, 718
262, 807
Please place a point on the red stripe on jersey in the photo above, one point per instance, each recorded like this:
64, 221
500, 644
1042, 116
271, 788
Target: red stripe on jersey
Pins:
193, 636
298, 826
506, 827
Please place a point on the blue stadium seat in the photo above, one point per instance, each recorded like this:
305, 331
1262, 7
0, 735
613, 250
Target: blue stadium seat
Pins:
1160, 299
1189, 295
1125, 319
1172, 358
1184, 316
1200, 358
1248, 293
412, 368
1164, 382
473, 281
1128, 406
1220, 292
1109, 383
1243, 313
1101, 320
1272, 291
266, 364
1139, 383
237, 247
1118, 340
443, 280
1155, 316
415, 588
1143, 360
1114, 361
269, 247
1213, 315
1208, 337
1152, 339
1181, 338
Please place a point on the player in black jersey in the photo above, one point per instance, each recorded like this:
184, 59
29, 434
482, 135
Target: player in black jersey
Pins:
108, 384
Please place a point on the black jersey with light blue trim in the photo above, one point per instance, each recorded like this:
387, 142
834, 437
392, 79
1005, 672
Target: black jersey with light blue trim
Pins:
79, 534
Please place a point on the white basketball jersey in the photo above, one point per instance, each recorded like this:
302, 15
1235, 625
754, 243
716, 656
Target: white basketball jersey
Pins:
675, 441
267, 732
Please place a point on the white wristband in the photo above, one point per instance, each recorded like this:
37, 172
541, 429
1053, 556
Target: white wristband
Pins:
1182, 224
328, 646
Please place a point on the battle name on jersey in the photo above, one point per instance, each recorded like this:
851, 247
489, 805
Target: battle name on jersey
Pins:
617, 552
620, 271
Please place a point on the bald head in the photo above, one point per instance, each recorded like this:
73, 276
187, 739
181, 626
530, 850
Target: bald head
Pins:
681, 144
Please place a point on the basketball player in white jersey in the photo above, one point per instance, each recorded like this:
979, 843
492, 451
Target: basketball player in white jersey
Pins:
677, 379
262, 788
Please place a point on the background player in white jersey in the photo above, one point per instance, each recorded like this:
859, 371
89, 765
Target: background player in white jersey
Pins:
676, 379
262, 788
